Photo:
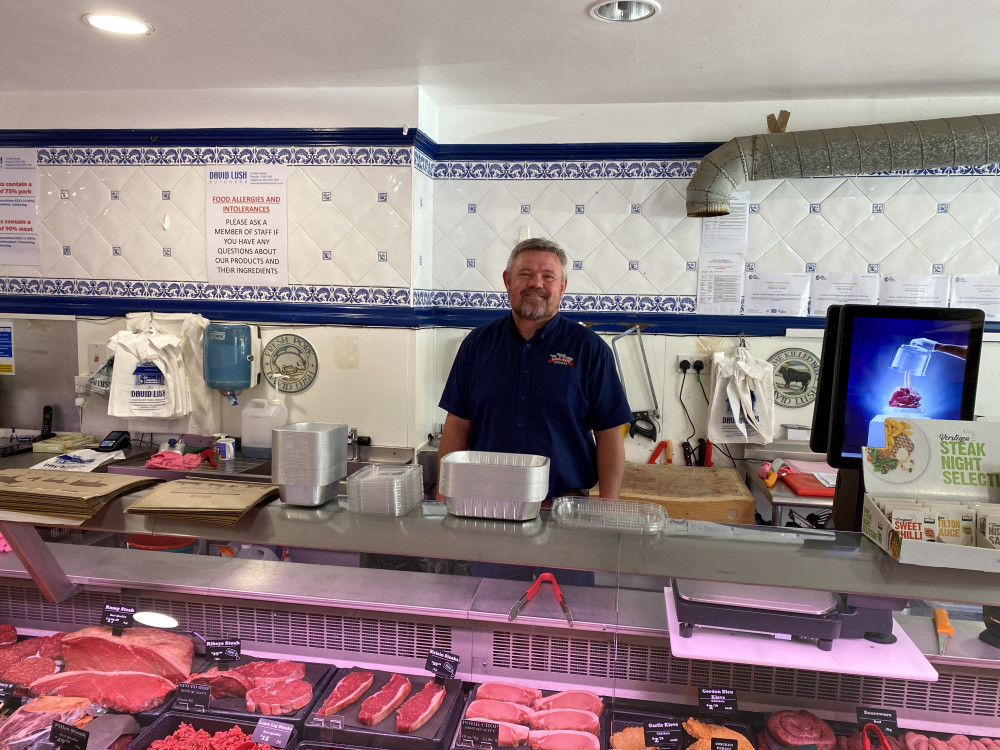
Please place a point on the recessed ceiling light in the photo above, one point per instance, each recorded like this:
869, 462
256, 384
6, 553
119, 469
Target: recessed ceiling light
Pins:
624, 11
118, 24
155, 619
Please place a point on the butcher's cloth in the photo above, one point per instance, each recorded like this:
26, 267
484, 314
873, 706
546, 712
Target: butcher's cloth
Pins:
173, 460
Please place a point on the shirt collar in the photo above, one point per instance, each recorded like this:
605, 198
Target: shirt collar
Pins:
542, 333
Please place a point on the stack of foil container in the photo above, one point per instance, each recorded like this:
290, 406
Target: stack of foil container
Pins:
308, 459
385, 490
482, 484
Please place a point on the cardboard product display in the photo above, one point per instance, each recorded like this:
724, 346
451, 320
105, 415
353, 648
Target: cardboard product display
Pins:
703, 493
943, 462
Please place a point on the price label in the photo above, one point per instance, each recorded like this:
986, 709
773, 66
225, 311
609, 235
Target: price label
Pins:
442, 664
8, 701
717, 701
724, 743
67, 737
118, 617
479, 733
193, 697
883, 718
223, 649
273, 733
663, 733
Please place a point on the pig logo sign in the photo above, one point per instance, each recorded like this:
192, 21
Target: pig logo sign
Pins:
796, 376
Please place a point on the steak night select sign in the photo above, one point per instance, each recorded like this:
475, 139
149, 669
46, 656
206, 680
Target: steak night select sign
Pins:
246, 218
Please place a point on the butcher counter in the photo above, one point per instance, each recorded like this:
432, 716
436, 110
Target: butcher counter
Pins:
618, 643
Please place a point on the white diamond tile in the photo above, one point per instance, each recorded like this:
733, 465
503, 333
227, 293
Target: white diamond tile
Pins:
66, 222
472, 235
325, 178
905, 259
168, 269
661, 266
780, 259
140, 194
382, 226
63, 177
606, 264
608, 208
581, 283
326, 225
116, 267
783, 208
526, 191
450, 206
304, 256
665, 208
971, 259
910, 207
48, 197
975, 208
142, 252
400, 196
448, 263
875, 237
940, 238
383, 274
354, 196
355, 256
188, 252
842, 259
813, 237
498, 208
89, 194
761, 237
879, 189
580, 191
552, 209
492, 262
472, 280
386, 179
303, 194
760, 190
633, 282
817, 189
398, 256
578, 236
166, 224
91, 251
989, 239
468, 191
188, 195
685, 238
846, 207
637, 191
511, 234
165, 176
114, 177
944, 189
115, 223
634, 236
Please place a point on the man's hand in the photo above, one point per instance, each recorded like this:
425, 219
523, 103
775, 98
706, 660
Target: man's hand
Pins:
610, 462
454, 437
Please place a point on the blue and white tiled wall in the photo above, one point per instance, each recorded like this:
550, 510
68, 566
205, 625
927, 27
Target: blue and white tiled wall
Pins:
391, 227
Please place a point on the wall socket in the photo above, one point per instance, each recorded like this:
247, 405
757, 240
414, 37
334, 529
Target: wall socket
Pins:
692, 358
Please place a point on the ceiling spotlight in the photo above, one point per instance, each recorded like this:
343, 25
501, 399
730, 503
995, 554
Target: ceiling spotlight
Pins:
155, 619
118, 24
624, 11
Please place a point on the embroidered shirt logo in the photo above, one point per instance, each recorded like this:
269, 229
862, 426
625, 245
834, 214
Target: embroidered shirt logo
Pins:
560, 359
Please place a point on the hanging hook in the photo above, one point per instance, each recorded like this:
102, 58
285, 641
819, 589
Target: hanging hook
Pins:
743, 339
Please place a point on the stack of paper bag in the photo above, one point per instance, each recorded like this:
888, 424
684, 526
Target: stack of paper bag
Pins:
44, 496
209, 501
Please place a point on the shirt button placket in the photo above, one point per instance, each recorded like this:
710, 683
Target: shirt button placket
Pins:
521, 406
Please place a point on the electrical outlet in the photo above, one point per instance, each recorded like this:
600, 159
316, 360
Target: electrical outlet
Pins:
80, 382
692, 358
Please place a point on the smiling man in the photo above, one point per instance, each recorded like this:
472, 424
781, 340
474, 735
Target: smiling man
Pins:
535, 382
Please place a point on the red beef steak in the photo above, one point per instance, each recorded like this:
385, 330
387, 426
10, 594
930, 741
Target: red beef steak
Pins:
347, 690
128, 692
279, 699
378, 706
261, 673
419, 708
136, 650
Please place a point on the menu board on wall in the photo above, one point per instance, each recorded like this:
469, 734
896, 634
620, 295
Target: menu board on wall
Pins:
19, 207
247, 225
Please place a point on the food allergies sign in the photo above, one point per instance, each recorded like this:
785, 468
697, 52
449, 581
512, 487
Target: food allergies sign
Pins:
247, 223
19, 207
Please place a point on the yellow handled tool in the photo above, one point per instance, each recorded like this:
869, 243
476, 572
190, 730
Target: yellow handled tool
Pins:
943, 627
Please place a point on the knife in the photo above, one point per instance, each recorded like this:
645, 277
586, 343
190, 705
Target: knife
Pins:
943, 627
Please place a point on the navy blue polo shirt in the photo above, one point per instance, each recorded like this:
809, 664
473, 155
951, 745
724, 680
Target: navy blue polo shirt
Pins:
544, 396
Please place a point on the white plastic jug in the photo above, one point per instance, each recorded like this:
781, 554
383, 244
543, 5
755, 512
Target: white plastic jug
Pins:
259, 419
252, 552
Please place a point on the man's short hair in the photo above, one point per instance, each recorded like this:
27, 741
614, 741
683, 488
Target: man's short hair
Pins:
543, 245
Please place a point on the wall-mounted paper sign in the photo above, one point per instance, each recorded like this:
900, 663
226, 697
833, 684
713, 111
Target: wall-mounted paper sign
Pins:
776, 294
842, 289
19, 207
978, 291
915, 290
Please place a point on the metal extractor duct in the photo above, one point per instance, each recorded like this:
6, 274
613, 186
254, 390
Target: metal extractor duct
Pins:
927, 144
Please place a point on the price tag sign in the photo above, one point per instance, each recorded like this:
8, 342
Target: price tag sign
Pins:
8, 701
222, 649
67, 737
118, 616
717, 701
883, 718
479, 733
442, 664
193, 697
273, 733
724, 743
663, 733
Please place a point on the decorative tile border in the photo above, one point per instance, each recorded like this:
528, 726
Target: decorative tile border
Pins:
393, 156
555, 170
570, 302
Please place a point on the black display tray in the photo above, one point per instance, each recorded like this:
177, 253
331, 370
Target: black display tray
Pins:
317, 675
431, 736
603, 736
630, 713
170, 722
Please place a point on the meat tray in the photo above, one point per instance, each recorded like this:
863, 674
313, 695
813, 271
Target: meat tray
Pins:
431, 736
171, 721
629, 713
605, 732
317, 675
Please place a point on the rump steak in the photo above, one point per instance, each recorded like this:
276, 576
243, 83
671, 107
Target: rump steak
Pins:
128, 692
487, 710
508, 691
511, 735
280, 698
562, 739
136, 650
261, 673
419, 708
225, 684
581, 699
378, 706
566, 718
348, 689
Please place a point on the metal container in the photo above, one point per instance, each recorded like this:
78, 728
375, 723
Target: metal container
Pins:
484, 484
309, 458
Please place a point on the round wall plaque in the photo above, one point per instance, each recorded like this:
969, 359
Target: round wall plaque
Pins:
796, 377
292, 356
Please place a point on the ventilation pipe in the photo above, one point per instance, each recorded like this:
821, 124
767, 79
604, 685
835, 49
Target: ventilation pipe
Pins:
927, 144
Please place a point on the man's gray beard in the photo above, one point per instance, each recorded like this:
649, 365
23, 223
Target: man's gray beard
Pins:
528, 311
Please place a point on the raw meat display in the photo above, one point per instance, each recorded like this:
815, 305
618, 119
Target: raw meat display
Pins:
26, 671
281, 698
128, 692
18, 651
905, 398
487, 710
228, 683
507, 691
135, 650
348, 689
420, 707
50, 645
705, 733
188, 738
581, 699
511, 735
262, 673
566, 718
378, 706
8, 634
562, 740
800, 728
35, 718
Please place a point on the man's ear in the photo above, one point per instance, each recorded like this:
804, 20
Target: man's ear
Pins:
506, 278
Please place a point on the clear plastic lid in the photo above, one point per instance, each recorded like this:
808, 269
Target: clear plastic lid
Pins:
626, 516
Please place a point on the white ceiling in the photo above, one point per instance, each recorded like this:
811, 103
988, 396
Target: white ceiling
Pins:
515, 51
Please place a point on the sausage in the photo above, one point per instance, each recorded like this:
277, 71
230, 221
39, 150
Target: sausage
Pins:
800, 728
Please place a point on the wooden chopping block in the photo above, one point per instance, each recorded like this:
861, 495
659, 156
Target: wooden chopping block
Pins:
703, 493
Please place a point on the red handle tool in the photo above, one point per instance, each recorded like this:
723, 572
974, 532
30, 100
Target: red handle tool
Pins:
533, 589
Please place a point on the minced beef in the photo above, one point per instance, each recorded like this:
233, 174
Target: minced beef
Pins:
188, 738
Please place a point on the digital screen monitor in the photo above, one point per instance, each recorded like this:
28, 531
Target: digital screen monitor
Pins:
899, 363
819, 435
